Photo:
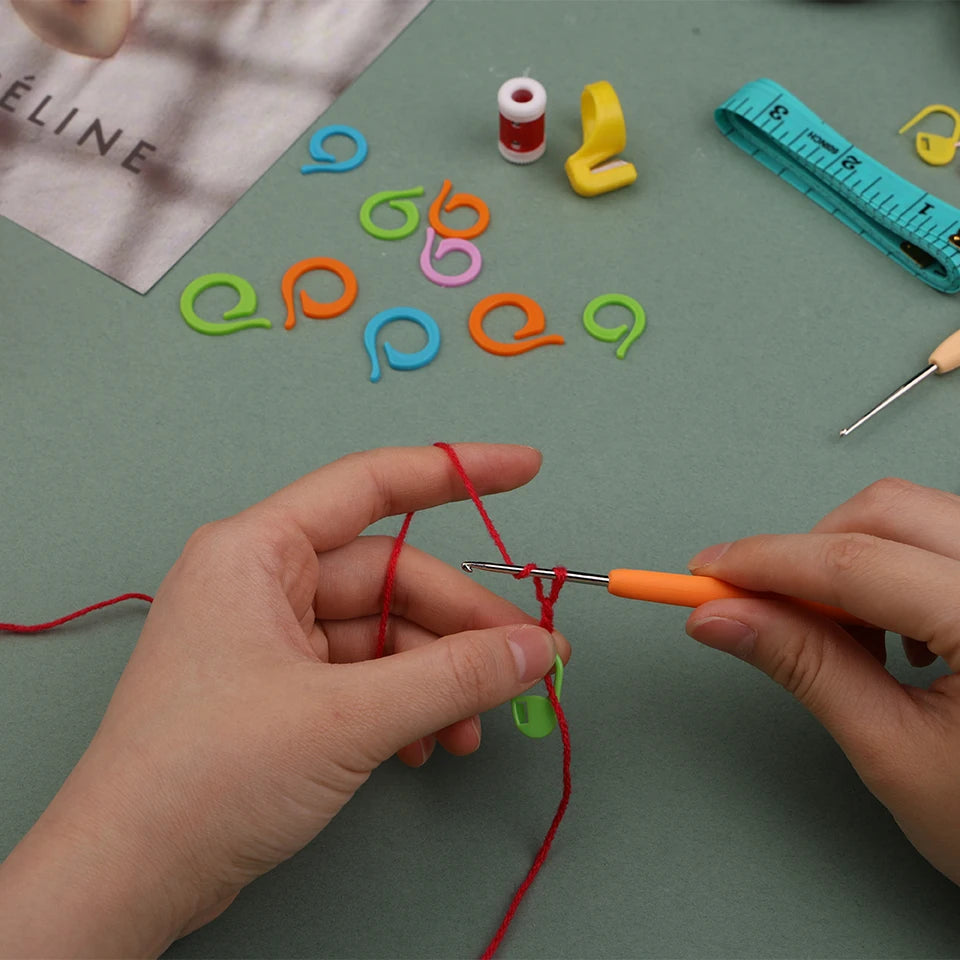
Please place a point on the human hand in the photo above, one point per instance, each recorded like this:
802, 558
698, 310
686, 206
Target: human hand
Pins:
891, 556
95, 28
250, 710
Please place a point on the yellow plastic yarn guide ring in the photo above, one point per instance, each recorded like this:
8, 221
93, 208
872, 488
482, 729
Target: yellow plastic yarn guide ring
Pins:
595, 168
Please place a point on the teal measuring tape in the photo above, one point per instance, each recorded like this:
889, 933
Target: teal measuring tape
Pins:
912, 227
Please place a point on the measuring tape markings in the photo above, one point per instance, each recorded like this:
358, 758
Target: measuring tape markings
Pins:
794, 143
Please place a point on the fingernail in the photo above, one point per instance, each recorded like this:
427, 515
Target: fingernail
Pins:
476, 726
731, 636
708, 556
426, 748
533, 651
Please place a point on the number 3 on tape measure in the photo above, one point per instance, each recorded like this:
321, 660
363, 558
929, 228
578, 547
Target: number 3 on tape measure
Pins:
912, 227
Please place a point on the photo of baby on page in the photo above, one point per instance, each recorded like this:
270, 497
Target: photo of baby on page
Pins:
115, 115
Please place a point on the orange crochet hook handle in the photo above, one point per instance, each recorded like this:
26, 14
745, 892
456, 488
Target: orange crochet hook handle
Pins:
684, 590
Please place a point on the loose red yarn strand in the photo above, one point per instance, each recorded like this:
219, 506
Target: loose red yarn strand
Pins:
547, 602
541, 856
40, 627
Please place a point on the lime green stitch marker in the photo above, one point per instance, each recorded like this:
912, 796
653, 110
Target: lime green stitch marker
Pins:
532, 714
392, 198
246, 305
611, 334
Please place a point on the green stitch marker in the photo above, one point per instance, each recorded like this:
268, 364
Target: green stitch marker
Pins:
392, 198
611, 334
246, 305
533, 714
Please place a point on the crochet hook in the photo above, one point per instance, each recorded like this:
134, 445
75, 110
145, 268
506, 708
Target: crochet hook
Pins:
944, 359
679, 589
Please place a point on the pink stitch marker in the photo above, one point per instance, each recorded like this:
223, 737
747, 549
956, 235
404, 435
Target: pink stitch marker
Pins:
445, 246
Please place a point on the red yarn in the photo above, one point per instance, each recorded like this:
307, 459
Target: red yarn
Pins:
547, 602
39, 627
389, 582
546, 621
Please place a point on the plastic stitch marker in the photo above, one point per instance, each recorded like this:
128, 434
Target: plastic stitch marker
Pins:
246, 305
912, 227
327, 162
394, 199
933, 148
536, 323
313, 309
612, 334
450, 245
458, 200
396, 359
533, 714
595, 167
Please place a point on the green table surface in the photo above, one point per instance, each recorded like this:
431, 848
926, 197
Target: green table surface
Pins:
711, 816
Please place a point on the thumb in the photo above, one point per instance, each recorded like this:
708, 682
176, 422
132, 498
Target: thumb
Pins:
414, 693
833, 676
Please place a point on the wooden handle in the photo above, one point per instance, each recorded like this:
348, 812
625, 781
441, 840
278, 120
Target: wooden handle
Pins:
684, 590
947, 355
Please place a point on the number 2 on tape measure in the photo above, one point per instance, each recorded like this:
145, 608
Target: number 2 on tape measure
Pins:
912, 227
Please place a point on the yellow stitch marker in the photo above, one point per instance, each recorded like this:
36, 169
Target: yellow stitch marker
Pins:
933, 148
595, 167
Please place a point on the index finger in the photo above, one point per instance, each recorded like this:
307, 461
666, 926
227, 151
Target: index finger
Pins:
899, 510
892, 585
334, 504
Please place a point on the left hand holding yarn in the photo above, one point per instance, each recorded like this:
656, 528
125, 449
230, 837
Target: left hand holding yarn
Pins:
250, 710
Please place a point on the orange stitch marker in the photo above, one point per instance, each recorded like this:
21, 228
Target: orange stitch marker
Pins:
459, 200
311, 307
536, 323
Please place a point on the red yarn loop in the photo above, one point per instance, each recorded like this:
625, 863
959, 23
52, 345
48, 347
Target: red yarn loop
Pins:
547, 602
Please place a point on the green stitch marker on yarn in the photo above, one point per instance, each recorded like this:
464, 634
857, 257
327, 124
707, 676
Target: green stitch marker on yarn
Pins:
394, 199
533, 714
611, 334
246, 305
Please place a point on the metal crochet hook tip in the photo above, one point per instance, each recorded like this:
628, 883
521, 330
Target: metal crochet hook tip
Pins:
469, 566
899, 392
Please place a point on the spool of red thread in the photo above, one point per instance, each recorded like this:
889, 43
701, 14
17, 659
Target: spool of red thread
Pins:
523, 105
